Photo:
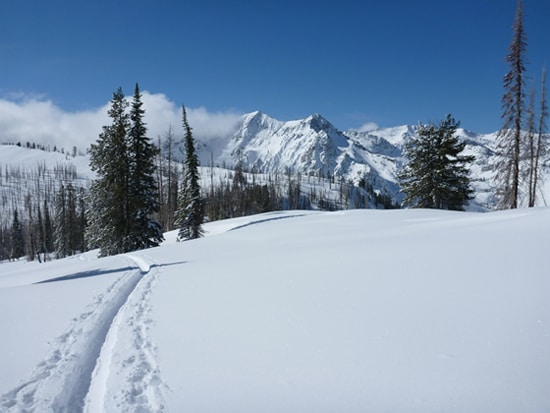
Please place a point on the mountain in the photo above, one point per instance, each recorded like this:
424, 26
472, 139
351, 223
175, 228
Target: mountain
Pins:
314, 147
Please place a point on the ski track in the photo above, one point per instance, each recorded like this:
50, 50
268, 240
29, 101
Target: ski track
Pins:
74, 377
127, 377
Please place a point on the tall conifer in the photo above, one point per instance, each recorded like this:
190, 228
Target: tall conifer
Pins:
124, 196
510, 135
190, 212
109, 225
143, 191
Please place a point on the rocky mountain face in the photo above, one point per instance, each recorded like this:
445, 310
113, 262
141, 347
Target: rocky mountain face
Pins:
313, 146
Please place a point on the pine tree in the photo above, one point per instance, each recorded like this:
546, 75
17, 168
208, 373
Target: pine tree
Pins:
124, 196
510, 136
145, 232
109, 201
436, 175
17, 239
48, 229
190, 212
82, 223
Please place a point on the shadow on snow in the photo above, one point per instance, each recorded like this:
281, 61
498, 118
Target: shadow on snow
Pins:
96, 273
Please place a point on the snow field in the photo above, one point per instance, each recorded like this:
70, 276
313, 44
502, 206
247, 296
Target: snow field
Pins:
386, 311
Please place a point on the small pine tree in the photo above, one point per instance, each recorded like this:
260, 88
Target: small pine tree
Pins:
190, 212
17, 238
436, 175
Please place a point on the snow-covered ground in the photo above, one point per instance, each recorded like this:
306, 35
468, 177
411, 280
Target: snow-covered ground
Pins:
356, 311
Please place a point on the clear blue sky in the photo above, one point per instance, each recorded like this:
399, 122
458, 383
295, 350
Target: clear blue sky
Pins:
388, 62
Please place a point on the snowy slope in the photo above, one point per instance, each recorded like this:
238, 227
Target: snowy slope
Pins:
366, 310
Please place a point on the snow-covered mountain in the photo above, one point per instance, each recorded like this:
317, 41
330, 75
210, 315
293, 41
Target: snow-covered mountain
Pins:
314, 148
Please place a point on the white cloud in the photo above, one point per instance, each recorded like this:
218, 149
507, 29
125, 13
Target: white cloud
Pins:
367, 127
34, 119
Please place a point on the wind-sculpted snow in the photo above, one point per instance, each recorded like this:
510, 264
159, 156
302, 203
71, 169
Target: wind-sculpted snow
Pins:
78, 361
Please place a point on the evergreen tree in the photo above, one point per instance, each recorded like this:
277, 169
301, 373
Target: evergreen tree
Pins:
108, 212
48, 229
436, 175
17, 239
510, 136
82, 223
190, 212
145, 232
124, 197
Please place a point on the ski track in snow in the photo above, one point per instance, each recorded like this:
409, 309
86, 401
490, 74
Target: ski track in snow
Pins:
74, 377
261, 221
129, 353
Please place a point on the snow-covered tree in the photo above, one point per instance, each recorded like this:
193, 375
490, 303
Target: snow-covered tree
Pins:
145, 232
190, 212
436, 175
109, 225
124, 196
17, 237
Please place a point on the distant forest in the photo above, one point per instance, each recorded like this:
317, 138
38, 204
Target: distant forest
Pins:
43, 210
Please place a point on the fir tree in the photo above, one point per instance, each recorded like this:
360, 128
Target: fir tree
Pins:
17, 239
436, 175
145, 232
124, 196
190, 212
510, 135
109, 201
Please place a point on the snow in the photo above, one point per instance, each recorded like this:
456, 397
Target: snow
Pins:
362, 310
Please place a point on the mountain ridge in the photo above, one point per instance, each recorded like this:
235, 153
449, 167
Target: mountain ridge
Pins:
314, 146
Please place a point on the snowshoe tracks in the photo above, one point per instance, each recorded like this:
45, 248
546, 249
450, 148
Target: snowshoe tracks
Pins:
74, 376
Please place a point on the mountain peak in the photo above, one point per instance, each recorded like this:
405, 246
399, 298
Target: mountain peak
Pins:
318, 122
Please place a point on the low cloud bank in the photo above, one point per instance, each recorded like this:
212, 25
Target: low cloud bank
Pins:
38, 120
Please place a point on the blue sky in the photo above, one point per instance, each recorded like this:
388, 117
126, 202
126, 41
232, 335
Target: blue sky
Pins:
387, 62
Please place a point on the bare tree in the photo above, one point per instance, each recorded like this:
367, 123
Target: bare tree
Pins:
541, 139
510, 135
